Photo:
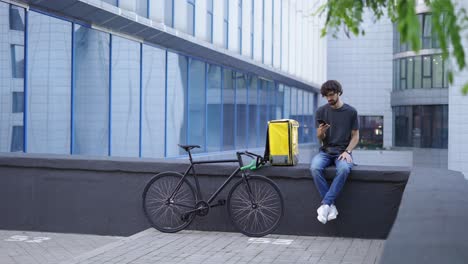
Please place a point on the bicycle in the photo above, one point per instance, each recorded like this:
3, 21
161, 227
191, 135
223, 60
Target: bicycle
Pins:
254, 203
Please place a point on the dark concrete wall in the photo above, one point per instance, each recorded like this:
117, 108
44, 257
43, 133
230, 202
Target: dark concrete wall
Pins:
103, 196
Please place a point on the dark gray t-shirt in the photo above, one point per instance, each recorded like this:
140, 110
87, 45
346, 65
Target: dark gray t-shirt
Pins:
341, 121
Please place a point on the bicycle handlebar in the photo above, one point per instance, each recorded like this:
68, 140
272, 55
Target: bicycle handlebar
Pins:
255, 164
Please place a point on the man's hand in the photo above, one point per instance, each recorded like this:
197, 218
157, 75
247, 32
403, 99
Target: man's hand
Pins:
345, 156
322, 129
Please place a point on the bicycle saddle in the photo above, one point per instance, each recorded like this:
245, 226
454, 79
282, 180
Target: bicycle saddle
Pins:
188, 147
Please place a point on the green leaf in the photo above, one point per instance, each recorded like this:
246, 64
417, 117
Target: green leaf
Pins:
465, 89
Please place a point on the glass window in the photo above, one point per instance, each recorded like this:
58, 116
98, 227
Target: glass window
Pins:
253, 132
191, 17
18, 102
17, 141
252, 18
112, 2
142, 8
239, 25
49, 84
438, 71
17, 61
371, 132
196, 104
91, 94
402, 74
16, 18
209, 20
176, 104
125, 98
287, 102
241, 111
263, 108
427, 31
153, 102
225, 23
417, 72
169, 12
11, 66
410, 74
421, 126
228, 109
427, 79
214, 109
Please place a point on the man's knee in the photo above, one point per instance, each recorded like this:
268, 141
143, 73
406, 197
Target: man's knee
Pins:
343, 168
316, 170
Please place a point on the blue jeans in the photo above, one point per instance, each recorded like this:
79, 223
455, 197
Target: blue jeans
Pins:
317, 166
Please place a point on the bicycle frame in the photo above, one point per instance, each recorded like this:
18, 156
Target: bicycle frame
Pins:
223, 185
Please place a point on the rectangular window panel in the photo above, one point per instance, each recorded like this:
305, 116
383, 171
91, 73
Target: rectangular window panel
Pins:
253, 131
18, 102
437, 71
153, 102
176, 104
17, 61
125, 98
16, 18
410, 73
263, 108
168, 12
229, 113
17, 139
196, 104
427, 31
142, 8
49, 79
371, 132
11, 66
214, 109
417, 72
427, 79
241, 111
209, 26
91, 94
112, 2
190, 18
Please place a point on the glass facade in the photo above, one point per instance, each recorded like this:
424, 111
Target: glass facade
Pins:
371, 132
427, 37
429, 71
421, 126
89, 92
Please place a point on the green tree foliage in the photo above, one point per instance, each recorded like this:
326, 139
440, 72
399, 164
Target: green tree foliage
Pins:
448, 22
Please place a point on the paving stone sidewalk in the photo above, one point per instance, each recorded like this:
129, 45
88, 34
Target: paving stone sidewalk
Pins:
190, 247
25, 247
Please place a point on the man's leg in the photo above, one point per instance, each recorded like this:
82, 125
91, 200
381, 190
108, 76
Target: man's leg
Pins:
318, 164
342, 171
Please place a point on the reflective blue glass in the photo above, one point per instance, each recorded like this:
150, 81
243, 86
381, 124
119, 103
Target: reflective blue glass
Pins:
196, 104
241, 111
263, 109
229, 113
176, 104
125, 98
91, 94
11, 76
153, 102
253, 113
214, 109
49, 84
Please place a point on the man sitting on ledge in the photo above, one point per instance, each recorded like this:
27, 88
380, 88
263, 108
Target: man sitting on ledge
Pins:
338, 130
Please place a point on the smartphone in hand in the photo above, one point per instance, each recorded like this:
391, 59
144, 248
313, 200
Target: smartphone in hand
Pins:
320, 121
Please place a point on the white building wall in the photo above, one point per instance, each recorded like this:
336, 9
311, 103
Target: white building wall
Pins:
218, 23
276, 33
246, 24
180, 15
200, 20
285, 39
363, 65
258, 29
458, 116
268, 32
233, 19
156, 11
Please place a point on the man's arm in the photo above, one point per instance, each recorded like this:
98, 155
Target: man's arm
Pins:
352, 144
354, 140
321, 131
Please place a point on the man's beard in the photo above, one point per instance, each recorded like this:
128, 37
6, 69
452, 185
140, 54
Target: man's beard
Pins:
332, 102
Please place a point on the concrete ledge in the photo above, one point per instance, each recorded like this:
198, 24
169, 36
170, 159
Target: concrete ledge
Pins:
103, 196
431, 223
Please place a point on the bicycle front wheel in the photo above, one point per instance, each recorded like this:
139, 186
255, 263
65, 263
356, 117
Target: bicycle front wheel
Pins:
166, 214
255, 206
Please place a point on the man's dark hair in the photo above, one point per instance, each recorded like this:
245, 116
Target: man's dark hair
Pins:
331, 86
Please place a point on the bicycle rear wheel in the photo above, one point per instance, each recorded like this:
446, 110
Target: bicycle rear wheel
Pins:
165, 214
259, 213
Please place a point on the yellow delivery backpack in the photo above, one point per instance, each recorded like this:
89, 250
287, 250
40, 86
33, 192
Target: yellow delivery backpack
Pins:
281, 142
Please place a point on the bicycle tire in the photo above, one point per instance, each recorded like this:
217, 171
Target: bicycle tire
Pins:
260, 220
167, 217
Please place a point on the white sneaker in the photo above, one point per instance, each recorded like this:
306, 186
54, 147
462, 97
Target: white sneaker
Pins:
333, 213
322, 213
